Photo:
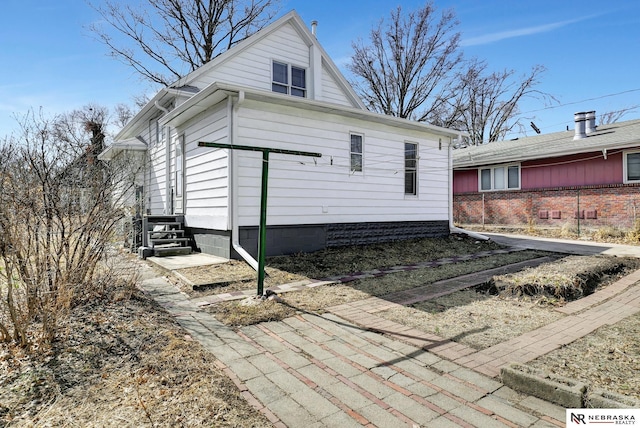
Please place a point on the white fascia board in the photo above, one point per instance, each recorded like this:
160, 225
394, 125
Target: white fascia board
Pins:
216, 92
140, 120
132, 144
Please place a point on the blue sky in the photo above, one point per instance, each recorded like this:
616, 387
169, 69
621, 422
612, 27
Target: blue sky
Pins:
590, 49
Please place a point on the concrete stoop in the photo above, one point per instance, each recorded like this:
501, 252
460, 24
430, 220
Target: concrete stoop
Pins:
564, 392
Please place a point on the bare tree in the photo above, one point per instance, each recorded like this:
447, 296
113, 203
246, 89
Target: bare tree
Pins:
610, 117
163, 40
123, 113
412, 68
58, 216
485, 104
406, 70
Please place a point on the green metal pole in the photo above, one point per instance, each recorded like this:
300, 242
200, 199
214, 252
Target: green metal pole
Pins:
262, 240
262, 233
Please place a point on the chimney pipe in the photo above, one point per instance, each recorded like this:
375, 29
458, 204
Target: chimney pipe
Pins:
314, 26
580, 119
591, 122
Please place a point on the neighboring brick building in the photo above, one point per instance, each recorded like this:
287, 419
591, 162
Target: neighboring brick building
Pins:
591, 176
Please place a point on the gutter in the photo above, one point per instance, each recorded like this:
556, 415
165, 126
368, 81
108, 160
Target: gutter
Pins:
168, 204
234, 212
452, 228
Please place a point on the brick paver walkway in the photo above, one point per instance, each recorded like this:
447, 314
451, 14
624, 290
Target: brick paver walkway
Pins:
351, 368
608, 306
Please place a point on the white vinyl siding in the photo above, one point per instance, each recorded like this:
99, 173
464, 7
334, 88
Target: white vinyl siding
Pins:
302, 190
331, 92
207, 170
156, 177
499, 177
253, 66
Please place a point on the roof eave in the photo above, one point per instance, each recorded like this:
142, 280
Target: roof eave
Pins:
217, 91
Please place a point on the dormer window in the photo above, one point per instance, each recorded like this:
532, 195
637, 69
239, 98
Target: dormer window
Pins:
289, 79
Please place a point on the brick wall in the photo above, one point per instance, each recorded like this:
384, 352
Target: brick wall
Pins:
612, 205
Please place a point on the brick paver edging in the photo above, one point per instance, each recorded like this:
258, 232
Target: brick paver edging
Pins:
345, 278
608, 307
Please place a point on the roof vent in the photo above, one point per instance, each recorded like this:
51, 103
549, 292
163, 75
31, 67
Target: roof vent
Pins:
580, 119
591, 122
314, 27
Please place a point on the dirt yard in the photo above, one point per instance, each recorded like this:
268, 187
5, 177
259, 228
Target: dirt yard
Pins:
123, 361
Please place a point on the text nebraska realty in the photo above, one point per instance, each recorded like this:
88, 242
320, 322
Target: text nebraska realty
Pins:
579, 418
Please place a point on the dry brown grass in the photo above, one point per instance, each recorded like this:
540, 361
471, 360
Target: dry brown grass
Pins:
474, 319
567, 279
343, 260
608, 358
122, 361
318, 298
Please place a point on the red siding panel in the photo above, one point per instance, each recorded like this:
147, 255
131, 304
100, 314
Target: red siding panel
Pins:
579, 170
465, 181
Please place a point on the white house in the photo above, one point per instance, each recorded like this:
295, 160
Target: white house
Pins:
379, 178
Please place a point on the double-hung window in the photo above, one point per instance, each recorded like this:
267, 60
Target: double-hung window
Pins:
356, 153
410, 169
631, 167
289, 79
503, 177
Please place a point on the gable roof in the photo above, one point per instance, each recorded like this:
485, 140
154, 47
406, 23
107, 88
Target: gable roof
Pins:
295, 20
183, 86
606, 137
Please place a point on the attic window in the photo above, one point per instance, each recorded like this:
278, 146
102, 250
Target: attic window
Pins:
289, 79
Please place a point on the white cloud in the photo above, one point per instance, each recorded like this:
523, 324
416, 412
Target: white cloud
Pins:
495, 37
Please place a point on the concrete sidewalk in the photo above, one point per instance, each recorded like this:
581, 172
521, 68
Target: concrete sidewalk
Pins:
568, 246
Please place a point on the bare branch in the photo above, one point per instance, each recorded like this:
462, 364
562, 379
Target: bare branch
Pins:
408, 63
610, 117
163, 40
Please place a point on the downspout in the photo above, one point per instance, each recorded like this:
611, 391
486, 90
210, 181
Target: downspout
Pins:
452, 228
167, 185
234, 214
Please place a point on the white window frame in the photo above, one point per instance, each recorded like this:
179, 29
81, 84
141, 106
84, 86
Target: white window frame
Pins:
352, 167
289, 87
414, 169
625, 169
179, 166
505, 176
